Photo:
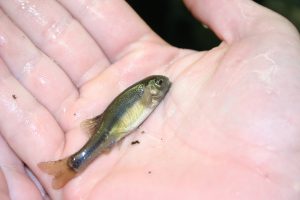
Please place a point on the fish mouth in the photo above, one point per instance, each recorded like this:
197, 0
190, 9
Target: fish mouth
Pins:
167, 88
169, 84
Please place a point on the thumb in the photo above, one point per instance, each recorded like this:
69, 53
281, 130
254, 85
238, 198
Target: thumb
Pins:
233, 20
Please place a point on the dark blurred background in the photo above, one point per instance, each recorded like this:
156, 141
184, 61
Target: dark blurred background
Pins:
171, 20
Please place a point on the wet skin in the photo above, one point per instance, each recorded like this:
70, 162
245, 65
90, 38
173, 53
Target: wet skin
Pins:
228, 129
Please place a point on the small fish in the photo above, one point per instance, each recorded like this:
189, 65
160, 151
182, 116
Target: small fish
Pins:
126, 112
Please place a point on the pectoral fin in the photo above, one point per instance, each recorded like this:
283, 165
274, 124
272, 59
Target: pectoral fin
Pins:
113, 140
92, 125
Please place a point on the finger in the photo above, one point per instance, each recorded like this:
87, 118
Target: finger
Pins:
26, 126
40, 75
4, 193
61, 37
232, 20
113, 24
13, 176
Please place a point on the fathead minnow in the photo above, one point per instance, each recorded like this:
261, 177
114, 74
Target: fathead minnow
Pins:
126, 112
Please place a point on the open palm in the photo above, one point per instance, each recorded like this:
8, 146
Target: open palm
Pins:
228, 129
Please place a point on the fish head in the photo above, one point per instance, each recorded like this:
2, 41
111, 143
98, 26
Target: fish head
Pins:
156, 87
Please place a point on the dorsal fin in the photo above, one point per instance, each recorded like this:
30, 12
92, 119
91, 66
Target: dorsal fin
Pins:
91, 125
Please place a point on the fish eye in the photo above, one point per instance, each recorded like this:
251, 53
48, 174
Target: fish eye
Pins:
158, 82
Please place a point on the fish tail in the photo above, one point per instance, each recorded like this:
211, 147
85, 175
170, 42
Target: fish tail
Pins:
60, 170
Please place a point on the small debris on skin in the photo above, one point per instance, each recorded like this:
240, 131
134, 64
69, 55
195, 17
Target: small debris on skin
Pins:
149, 172
142, 132
14, 96
74, 114
135, 142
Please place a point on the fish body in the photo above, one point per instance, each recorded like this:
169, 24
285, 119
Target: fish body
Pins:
125, 113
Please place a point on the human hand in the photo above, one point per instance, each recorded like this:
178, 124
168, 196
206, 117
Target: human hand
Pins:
228, 129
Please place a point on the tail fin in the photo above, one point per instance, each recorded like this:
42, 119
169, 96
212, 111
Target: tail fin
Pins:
60, 170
